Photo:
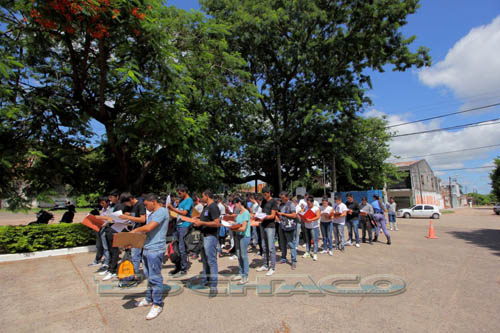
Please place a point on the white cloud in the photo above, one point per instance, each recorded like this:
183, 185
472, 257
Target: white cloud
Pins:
471, 68
438, 142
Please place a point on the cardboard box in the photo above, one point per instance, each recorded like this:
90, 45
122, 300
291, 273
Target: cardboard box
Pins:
126, 239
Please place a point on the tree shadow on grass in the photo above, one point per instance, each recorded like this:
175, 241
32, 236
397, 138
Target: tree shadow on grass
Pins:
488, 238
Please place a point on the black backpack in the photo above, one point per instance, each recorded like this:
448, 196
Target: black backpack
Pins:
193, 241
173, 252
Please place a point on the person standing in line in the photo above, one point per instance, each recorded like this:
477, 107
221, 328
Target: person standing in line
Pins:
268, 232
366, 216
209, 223
379, 210
288, 224
339, 213
241, 239
152, 255
312, 230
185, 208
392, 214
352, 220
300, 208
326, 226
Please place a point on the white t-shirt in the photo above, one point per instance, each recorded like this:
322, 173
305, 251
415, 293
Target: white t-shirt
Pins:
314, 224
325, 210
303, 203
340, 208
222, 209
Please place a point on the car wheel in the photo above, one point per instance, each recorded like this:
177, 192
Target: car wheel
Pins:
435, 216
406, 215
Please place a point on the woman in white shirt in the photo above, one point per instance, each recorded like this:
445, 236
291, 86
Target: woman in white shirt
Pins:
326, 226
312, 229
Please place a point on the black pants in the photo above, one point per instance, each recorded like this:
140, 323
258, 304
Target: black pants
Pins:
99, 247
114, 251
285, 238
366, 226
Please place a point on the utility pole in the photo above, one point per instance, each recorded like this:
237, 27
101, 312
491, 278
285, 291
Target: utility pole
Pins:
420, 185
334, 176
324, 177
451, 197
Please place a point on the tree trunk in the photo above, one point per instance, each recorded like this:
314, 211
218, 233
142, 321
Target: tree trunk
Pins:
334, 176
278, 169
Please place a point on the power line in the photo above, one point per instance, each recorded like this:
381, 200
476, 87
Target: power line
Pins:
476, 124
450, 152
483, 167
444, 115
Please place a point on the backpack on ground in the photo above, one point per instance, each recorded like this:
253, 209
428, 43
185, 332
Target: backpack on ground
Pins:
173, 252
193, 241
126, 272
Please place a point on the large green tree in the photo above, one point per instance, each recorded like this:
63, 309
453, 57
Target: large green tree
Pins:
495, 179
310, 60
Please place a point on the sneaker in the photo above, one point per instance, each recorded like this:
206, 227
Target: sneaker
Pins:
233, 257
315, 257
322, 252
179, 274
243, 281
270, 272
396, 229
109, 276
94, 263
173, 272
103, 268
212, 293
294, 265
154, 312
390, 229
348, 243
389, 241
262, 269
357, 245
283, 261
105, 272
236, 278
142, 303
306, 255
330, 253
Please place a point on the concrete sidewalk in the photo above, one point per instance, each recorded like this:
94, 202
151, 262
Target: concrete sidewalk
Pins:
452, 284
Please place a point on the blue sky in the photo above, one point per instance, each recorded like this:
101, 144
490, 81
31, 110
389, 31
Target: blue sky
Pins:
464, 41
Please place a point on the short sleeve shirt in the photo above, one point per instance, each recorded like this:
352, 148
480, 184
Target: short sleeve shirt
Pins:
156, 238
340, 208
267, 208
186, 204
210, 213
240, 218
315, 223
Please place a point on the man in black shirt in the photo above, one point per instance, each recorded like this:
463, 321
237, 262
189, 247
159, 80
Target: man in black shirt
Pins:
268, 232
208, 224
137, 215
352, 219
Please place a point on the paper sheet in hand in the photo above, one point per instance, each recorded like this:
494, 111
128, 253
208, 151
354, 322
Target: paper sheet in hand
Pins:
116, 217
187, 219
125, 239
260, 216
227, 223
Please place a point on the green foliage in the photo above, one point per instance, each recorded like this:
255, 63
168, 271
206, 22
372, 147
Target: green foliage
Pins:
495, 180
87, 200
19, 239
482, 199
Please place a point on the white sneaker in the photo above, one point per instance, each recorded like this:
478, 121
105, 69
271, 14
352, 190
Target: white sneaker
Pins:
103, 273
236, 278
233, 257
109, 276
330, 253
306, 255
390, 229
154, 312
397, 229
303, 245
270, 272
142, 303
315, 257
348, 243
324, 251
262, 269
357, 245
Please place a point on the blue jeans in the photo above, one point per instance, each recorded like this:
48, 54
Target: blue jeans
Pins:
136, 259
152, 261
209, 260
326, 231
353, 225
241, 243
297, 235
392, 217
180, 232
381, 223
338, 231
268, 248
255, 239
314, 235
107, 255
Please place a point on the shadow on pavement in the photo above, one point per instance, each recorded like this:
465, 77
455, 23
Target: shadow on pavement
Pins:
488, 238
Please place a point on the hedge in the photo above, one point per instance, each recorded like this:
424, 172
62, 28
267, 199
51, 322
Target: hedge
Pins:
19, 239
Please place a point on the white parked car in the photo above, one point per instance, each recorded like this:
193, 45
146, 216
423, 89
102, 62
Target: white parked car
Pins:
428, 211
496, 209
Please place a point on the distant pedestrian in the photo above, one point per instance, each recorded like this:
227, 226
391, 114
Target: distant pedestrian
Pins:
392, 214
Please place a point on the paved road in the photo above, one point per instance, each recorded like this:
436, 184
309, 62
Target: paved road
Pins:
452, 285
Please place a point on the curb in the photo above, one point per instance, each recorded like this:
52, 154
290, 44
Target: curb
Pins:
48, 253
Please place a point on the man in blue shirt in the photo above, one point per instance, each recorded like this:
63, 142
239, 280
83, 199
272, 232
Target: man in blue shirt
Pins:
152, 256
185, 208
378, 214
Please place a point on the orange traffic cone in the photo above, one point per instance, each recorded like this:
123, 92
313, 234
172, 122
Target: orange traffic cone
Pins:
432, 235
